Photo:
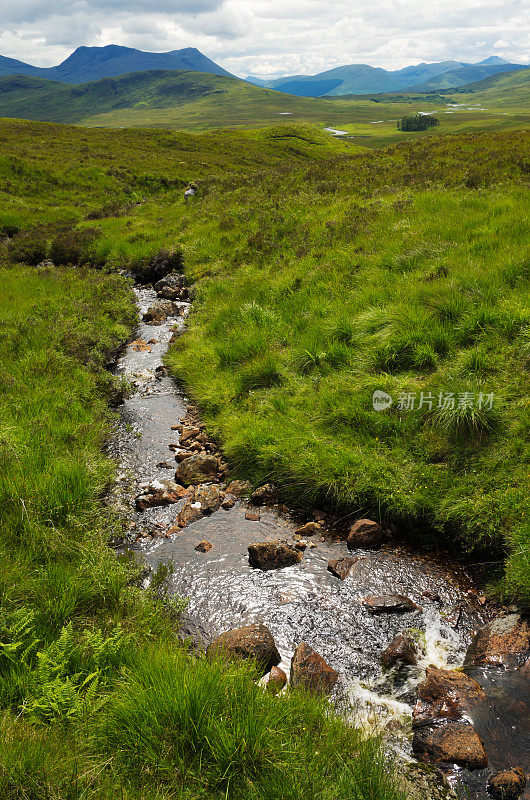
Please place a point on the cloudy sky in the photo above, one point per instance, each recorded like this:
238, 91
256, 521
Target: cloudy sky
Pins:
273, 37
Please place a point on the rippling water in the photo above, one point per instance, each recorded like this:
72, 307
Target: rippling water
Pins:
303, 602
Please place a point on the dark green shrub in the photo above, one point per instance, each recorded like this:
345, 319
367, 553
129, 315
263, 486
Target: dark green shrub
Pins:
8, 230
418, 122
158, 266
70, 247
28, 247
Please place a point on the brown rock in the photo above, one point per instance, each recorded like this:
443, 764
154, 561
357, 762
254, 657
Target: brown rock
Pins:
273, 555
249, 642
318, 515
309, 529
401, 650
264, 494
252, 516
388, 603
506, 641
197, 469
140, 346
309, 670
276, 680
182, 455
366, 534
204, 546
507, 784
189, 434
160, 311
159, 493
239, 488
301, 545
209, 496
446, 693
229, 502
189, 513
450, 743
340, 567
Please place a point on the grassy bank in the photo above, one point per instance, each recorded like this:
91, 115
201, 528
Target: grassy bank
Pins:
96, 696
404, 271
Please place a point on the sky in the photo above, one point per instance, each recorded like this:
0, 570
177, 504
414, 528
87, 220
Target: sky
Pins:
268, 38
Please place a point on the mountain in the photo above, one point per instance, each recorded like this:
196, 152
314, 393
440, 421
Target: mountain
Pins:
154, 97
503, 89
92, 63
464, 76
364, 79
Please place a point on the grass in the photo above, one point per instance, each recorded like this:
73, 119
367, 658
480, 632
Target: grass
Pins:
97, 697
404, 271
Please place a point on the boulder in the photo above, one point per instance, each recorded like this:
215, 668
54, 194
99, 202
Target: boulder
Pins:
204, 546
310, 671
159, 493
388, 603
160, 311
446, 693
276, 680
451, 743
197, 469
229, 502
209, 496
173, 280
203, 501
366, 534
504, 641
190, 512
340, 567
273, 555
401, 650
239, 488
264, 494
249, 642
252, 516
508, 784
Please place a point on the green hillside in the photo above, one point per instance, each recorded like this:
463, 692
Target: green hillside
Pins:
510, 89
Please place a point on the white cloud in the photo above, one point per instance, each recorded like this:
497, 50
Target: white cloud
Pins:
273, 36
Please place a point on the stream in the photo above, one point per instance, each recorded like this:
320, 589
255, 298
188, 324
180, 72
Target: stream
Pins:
305, 601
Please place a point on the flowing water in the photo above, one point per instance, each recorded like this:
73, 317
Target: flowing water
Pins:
303, 602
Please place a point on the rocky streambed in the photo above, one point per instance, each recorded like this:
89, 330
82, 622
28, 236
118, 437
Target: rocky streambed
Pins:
348, 608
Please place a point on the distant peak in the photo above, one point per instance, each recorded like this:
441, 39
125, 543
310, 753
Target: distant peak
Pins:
493, 60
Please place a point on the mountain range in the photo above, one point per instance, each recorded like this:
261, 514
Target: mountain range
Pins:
364, 79
92, 63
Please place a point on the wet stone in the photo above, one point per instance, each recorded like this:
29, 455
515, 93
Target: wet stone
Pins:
239, 488
273, 555
340, 567
507, 784
365, 534
276, 680
401, 650
446, 693
310, 671
265, 494
505, 641
389, 604
248, 642
252, 516
309, 529
450, 743
204, 546
197, 469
